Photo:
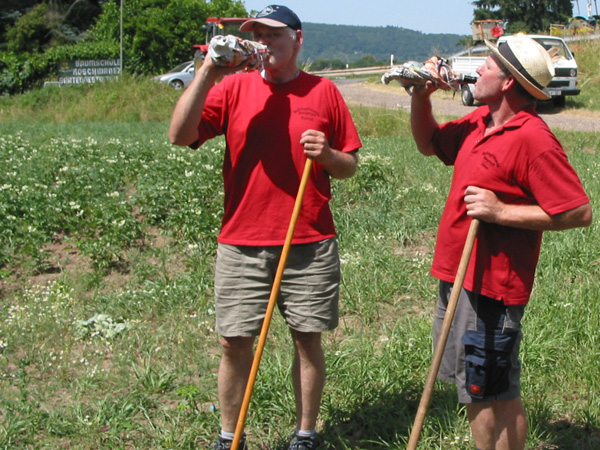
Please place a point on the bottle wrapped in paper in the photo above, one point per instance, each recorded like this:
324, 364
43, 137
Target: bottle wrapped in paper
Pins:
436, 69
231, 51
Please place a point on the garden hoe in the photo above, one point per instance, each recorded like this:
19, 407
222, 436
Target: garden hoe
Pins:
271, 306
443, 337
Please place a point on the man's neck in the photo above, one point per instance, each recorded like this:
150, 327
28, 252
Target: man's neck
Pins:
280, 76
505, 110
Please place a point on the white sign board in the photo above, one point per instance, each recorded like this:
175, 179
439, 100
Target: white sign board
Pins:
89, 71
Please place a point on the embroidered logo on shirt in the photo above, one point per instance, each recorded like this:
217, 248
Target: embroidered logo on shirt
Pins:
306, 113
490, 160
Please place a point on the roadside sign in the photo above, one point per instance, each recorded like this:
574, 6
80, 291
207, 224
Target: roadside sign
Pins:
89, 71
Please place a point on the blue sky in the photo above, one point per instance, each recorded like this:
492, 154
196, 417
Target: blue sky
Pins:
428, 16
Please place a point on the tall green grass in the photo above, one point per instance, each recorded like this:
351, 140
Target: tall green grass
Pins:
132, 99
106, 322
587, 54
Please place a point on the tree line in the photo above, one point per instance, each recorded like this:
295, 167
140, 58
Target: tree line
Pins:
528, 16
339, 46
37, 35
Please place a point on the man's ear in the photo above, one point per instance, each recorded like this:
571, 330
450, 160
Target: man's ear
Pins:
299, 37
509, 82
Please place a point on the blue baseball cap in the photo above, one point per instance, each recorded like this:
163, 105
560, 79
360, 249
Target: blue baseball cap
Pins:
274, 16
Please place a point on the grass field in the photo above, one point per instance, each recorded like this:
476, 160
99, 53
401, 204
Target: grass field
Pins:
106, 321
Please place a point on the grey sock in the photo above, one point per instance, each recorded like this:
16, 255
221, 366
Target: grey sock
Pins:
306, 433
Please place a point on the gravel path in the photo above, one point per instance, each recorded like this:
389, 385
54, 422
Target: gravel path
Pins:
392, 97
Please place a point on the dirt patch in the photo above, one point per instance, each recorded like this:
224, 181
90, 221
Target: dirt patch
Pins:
64, 258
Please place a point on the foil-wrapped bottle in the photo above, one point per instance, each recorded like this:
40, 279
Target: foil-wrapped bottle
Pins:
231, 51
436, 70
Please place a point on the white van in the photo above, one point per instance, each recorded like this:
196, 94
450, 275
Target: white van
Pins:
565, 67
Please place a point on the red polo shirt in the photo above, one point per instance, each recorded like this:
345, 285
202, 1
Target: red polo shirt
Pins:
263, 123
522, 162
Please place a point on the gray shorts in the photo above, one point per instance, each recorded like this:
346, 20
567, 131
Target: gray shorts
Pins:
481, 354
308, 295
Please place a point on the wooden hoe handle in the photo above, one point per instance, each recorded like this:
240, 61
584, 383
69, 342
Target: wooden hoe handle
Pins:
443, 337
271, 306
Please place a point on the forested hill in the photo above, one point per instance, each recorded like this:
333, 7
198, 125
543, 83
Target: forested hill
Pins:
348, 43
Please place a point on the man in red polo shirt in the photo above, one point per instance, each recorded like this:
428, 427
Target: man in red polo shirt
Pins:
272, 118
511, 173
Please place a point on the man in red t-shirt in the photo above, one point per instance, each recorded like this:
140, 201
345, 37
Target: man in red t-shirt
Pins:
511, 173
273, 119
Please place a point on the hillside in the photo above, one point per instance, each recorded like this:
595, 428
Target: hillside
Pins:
349, 43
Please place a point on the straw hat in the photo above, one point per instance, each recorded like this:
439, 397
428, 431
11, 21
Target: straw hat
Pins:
528, 61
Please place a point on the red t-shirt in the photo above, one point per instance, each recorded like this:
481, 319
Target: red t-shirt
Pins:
523, 163
262, 123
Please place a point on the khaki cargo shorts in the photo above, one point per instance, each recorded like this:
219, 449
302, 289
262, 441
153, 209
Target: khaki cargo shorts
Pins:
309, 292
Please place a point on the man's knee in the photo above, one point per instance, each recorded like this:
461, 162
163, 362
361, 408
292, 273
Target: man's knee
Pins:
236, 345
306, 341
481, 413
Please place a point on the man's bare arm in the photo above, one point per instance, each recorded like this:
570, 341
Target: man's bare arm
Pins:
188, 111
484, 205
337, 163
422, 121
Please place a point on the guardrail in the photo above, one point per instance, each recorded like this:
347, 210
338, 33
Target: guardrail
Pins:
334, 73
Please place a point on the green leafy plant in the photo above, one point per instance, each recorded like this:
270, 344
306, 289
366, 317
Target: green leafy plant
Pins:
101, 325
131, 359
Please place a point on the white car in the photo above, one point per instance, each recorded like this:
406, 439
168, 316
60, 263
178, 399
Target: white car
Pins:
565, 68
179, 77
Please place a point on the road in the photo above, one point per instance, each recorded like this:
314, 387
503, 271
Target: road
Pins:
394, 97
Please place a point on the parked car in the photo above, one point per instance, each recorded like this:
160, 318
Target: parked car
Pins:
180, 76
